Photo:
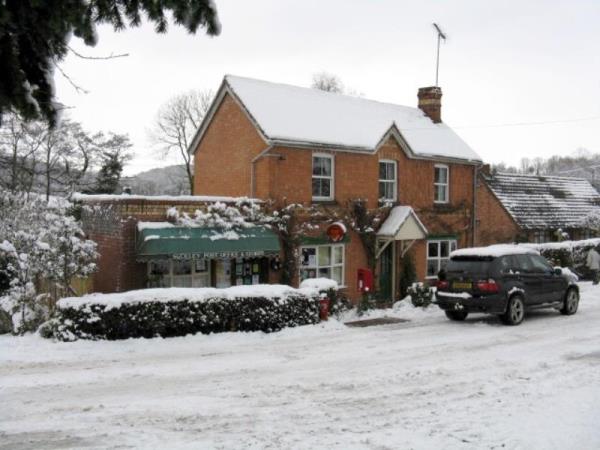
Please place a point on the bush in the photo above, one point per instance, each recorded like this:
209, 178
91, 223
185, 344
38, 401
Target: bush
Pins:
420, 295
214, 311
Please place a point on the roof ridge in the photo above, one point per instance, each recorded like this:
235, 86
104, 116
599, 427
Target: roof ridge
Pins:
325, 93
523, 175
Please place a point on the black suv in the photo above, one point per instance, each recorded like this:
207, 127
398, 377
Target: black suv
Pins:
504, 280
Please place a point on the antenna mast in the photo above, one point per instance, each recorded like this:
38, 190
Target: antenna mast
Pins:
440, 35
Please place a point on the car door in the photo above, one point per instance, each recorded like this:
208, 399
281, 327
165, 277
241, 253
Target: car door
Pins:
532, 281
551, 284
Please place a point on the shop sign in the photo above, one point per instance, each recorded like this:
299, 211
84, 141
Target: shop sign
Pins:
217, 255
336, 231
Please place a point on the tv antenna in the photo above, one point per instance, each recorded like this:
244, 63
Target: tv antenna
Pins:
440, 35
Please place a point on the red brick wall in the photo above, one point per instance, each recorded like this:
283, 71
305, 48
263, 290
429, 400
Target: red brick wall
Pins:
222, 167
222, 160
494, 224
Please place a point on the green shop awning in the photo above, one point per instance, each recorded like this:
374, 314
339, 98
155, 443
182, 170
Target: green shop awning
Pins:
164, 240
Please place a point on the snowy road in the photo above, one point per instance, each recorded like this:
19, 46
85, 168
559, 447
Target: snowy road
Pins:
428, 383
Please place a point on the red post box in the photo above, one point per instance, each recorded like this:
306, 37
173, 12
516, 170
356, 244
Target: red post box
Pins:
364, 279
324, 304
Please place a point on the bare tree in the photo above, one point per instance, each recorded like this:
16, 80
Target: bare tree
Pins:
328, 82
177, 122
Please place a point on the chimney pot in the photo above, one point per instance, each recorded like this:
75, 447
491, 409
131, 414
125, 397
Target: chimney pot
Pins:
430, 102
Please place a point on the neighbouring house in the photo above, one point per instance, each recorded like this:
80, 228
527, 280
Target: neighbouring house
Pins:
400, 181
534, 208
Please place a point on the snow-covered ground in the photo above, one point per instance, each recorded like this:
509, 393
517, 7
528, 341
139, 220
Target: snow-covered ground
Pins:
427, 383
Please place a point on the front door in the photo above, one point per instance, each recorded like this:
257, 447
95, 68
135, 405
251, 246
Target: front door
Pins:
386, 266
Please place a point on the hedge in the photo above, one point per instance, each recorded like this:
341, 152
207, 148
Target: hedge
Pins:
571, 254
167, 317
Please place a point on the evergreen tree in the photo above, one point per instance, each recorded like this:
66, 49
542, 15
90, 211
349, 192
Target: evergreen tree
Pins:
34, 38
115, 152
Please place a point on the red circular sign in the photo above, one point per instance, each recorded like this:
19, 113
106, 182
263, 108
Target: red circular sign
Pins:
336, 231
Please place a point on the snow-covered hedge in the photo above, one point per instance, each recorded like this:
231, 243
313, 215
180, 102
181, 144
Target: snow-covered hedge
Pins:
567, 253
180, 311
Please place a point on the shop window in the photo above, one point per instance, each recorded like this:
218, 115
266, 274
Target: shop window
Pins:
322, 261
441, 183
322, 177
159, 273
438, 253
388, 183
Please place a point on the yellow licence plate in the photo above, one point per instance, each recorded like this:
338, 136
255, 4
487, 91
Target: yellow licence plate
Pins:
458, 285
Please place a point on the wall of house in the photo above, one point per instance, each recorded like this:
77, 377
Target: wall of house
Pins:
231, 141
494, 223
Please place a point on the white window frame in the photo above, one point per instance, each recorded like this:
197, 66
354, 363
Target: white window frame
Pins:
393, 182
323, 177
446, 184
452, 245
332, 264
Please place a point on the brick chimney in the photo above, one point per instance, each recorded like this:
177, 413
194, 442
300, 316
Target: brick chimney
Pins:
430, 102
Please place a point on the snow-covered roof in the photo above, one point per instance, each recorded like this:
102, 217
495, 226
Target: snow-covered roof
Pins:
398, 217
494, 251
165, 198
291, 115
545, 202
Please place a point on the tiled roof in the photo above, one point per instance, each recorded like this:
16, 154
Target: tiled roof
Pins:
545, 202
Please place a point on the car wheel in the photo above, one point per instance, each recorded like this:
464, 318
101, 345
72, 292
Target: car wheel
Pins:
571, 302
515, 311
457, 315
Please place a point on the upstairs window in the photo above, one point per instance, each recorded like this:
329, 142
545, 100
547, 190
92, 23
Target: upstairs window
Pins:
440, 183
388, 181
322, 177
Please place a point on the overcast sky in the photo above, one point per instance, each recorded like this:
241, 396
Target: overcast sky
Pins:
505, 63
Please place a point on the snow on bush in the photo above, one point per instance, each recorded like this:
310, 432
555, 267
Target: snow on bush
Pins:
320, 284
40, 242
567, 253
420, 294
179, 311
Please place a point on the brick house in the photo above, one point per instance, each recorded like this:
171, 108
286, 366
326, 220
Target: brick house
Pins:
288, 145
533, 208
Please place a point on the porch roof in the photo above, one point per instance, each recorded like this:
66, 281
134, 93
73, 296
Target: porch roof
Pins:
402, 224
164, 240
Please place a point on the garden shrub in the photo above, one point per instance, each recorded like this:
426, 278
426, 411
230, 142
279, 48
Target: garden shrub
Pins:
85, 318
420, 295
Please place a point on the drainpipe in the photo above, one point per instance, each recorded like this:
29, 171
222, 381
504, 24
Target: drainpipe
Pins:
253, 170
474, 215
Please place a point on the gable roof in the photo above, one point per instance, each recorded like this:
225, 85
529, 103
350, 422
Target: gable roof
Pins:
545, 202
402, 218
296, 116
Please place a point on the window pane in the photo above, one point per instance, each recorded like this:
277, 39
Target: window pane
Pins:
382, 171
338, 255
182, 267
443, 263
325, 187
432, 267
316, 187
382, 189
441, 175
182, 281
309, 257
432, 249
322, 166
444, 249
325, 272
452, 246
337, 275
440, 193
325, 256
159, 267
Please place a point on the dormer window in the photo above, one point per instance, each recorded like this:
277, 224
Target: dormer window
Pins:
441, 183
322, 177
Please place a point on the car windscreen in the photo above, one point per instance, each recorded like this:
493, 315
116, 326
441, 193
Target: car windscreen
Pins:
469, 265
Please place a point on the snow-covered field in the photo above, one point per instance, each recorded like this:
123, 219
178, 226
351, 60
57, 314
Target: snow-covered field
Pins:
427, 383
